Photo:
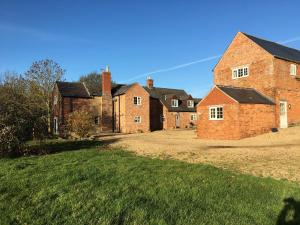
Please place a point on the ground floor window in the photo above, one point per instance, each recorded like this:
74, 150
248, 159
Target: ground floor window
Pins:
193, 117
137, 119
216, 113
97, 120
162, 118
55, 125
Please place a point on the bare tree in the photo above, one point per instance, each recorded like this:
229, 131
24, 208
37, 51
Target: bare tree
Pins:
44, 74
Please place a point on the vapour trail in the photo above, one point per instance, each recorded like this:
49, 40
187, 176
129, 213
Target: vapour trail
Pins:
195, 62
174, 67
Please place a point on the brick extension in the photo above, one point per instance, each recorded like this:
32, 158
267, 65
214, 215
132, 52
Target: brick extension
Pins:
269, 73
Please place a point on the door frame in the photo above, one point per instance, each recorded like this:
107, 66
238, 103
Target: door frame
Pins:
177, 120
283, 118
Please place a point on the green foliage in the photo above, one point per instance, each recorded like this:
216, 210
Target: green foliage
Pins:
96, 186
79, 123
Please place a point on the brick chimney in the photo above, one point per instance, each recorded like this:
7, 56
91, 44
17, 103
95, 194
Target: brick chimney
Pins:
149, 82
106, 82
106, 109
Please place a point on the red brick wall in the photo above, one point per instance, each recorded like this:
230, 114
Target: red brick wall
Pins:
240, 120
228, 128
132, 110
242, 51
255, 119
288, 89
184, 119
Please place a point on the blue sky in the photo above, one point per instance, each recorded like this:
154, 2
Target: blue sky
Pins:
138, 37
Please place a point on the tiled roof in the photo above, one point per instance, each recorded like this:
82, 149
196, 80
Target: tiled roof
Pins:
165, 95
277, 50
120, 89
72, 89
246, 95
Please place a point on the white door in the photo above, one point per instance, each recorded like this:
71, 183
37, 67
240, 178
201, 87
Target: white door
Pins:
177, 120
283, 114
55, 125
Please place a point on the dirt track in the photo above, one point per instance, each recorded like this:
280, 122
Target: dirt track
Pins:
274, 154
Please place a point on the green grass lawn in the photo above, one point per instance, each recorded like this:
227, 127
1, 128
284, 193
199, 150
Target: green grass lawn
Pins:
98, 186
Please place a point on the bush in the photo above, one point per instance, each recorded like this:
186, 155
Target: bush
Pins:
79, 124
10, 144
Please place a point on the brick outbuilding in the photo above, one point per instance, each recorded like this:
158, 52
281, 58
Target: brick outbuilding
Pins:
234, 113
268, 69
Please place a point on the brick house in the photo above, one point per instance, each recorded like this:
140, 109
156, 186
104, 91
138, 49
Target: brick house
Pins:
257, 89
124, 108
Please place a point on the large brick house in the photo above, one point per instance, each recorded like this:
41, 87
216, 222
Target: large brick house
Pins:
257, 89
124, 108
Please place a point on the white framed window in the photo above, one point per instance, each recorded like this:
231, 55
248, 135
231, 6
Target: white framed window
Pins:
97, 120
55, 100
216, 113
293, 70
193, 117
137, 119
190, 104
174, 102
137, 100
239, 72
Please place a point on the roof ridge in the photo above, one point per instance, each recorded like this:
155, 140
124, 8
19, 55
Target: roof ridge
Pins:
235, 87
263, 39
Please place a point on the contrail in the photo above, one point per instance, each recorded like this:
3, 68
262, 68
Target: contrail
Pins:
195, 62
174, 67
289, 40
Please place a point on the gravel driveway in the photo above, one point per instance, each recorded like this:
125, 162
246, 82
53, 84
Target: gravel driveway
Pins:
274, 155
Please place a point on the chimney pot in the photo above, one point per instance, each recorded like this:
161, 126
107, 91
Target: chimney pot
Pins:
150, 82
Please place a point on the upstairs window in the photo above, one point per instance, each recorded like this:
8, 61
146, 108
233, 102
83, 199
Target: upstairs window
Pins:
137, 100
240, 72
216, 113
137, 119
174, 102
293, 70
190, 104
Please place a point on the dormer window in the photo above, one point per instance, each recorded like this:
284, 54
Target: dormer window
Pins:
137, 100
293, 70
240, 72
174, 102
190, 104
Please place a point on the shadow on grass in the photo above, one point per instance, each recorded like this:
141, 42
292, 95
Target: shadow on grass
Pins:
251, 146
290, 214
56, 147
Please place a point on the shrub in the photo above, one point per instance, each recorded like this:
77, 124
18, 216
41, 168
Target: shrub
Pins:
10, 144
79, 124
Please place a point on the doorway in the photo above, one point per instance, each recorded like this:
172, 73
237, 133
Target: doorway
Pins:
283, 114
177, 120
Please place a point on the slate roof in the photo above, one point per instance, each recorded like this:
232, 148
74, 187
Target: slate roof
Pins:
72, 89
120, 89
246, 95
277, 50
166, 94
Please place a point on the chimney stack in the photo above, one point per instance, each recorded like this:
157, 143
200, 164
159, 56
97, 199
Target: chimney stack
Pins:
149, 82
106, 109
106, 82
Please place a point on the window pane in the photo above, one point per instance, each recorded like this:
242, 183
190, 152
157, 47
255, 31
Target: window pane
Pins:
212, 113
245, 71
